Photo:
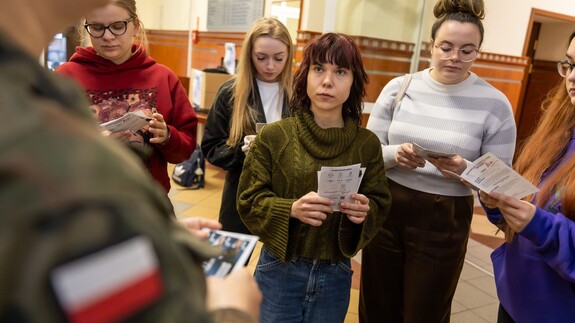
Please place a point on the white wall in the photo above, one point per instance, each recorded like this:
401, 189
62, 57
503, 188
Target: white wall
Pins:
507, 21
149, 12
553, 40
199, 13
505, 24
169, 14
312, 15
387, 19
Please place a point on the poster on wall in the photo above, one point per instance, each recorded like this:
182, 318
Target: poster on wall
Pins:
233, 15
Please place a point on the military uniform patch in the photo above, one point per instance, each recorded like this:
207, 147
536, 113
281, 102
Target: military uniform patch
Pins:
111, 284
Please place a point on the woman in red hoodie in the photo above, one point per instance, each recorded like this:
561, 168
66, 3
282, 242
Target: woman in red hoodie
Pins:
119, 77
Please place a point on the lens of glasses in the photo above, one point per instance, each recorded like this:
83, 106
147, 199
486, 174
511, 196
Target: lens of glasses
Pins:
564, 68
466, 54
117, 28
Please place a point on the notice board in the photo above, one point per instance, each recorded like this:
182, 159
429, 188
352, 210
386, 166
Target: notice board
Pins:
233, 15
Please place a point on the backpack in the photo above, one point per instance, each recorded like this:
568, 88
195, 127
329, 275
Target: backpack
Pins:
190, 173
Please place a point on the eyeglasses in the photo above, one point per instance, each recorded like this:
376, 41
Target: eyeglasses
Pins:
465, 54
565, 68
117, 28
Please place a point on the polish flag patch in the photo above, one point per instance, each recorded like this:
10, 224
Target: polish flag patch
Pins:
111, 284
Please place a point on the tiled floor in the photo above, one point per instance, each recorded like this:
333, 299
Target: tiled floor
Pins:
475, 299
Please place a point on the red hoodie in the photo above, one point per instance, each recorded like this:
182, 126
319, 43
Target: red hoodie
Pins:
138, 83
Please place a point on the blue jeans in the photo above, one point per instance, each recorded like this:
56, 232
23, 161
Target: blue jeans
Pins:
303, 290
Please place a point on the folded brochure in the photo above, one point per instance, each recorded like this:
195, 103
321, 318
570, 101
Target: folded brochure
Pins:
427, 153
132, 121
490, 174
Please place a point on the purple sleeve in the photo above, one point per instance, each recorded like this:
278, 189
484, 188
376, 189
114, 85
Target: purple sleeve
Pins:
553, 236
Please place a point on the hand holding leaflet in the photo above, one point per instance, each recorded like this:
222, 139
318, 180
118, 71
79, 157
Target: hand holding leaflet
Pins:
426, 153
339, 183
132, 121
489, 174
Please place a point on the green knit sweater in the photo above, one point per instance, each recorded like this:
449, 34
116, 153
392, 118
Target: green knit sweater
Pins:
282, 166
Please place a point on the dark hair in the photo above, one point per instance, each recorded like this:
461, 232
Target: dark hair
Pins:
463, 11
337, 49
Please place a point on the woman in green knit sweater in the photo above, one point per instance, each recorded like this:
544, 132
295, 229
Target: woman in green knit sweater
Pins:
304, 269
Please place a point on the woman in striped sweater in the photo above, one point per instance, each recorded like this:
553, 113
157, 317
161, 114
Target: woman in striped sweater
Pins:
411, 268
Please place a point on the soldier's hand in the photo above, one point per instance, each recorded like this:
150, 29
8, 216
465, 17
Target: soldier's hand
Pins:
197, 226
238, 290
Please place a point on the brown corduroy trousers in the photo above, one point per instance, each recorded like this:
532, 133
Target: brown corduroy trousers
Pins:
410, 270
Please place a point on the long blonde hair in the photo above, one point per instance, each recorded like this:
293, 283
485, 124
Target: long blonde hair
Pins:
545, 146
130, 6
243, 114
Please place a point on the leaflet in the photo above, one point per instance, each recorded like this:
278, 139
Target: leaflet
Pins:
426, 153
489, 174
339, 183
132, 121
236, 248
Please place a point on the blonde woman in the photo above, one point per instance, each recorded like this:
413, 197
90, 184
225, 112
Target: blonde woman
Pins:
257, 94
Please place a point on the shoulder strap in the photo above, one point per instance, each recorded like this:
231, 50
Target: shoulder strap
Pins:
400, 93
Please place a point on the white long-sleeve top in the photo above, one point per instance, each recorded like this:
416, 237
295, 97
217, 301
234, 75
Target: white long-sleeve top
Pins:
469, 118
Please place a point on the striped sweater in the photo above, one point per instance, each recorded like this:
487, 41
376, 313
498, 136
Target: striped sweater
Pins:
469, 118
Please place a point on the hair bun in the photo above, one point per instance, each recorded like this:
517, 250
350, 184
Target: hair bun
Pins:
445, 7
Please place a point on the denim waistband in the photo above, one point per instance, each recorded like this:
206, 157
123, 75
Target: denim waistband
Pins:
319, 261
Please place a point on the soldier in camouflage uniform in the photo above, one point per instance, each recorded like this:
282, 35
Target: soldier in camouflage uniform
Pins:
85, 235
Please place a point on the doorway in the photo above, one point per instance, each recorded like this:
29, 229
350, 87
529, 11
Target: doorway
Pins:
545, 44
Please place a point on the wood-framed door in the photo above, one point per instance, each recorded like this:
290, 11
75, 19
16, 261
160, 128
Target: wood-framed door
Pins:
542, 76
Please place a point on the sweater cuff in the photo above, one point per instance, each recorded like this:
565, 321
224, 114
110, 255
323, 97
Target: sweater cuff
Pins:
278, 243
493, 215
349, 235
537, 229
389, 153
163, 143
232, 315
167, 137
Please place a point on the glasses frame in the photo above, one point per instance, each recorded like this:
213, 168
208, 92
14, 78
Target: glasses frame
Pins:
458, 55
560, 64
126, 22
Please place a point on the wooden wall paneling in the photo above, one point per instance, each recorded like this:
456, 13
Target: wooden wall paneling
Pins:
210, 48
544, 78
169, 47
382, 66
302, 38
499, 71
506, 73
185, 83
424, 59
376, 83
383, 59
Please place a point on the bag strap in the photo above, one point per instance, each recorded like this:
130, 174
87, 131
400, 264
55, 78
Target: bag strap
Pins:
401, 92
